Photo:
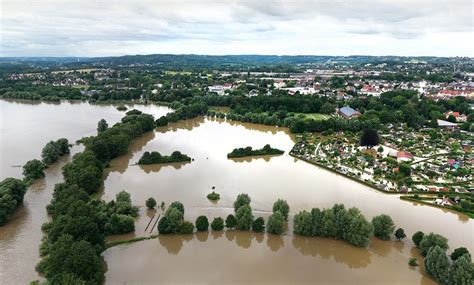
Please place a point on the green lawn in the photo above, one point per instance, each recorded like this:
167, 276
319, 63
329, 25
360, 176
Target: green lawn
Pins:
170, 72
315, 116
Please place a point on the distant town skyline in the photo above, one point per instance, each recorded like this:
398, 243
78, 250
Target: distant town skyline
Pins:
367, 27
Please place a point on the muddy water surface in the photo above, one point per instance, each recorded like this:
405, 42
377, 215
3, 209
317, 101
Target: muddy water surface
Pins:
25, 127
243, 257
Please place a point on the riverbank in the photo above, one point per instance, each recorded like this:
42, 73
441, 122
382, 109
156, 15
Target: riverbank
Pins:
374, 187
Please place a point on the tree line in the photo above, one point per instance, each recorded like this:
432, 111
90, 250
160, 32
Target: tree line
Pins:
75, 237
12, 190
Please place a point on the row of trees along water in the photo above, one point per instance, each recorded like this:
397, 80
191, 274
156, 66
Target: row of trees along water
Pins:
75, 237
13, 190
336, 222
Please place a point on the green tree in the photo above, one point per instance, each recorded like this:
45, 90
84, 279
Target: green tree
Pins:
369, 138
50, 153
202, 224
462, 271
178, 205
119, 224
163, 226
458, 252
230, 222
186, 228
258, 225
242, 199
85, 170
431, 240
437, 264
417, 237
150, 203
217, 224
359, 231
276, 223
303, 224
77, 258
244, 218
174, 220
400, 234
102, 126
33, 169
12, 191
328, 226
282, 206
383, 226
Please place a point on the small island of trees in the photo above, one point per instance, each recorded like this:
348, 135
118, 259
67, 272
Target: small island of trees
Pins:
155, 157
248, 151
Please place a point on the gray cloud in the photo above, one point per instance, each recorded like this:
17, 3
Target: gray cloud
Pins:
99, 27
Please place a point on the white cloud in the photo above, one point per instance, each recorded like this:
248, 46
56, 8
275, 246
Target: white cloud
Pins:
100, 28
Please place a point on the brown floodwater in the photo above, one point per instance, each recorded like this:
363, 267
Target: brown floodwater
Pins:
239, 257
25, 127
226, 257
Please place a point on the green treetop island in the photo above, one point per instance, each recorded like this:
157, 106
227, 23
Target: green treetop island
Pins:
155, 157
248, 151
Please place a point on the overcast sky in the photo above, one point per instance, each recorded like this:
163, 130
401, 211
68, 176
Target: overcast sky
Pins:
319, 27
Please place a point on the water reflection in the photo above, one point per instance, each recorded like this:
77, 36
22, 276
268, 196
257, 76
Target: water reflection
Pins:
174, 243
342, 252
250, 158
182, 125
202, 236
275, 242
157, 167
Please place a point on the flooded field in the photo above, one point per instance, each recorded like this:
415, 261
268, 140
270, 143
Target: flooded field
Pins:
225, 257
273, 259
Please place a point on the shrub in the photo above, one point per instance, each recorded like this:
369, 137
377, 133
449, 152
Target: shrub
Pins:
230, 222
213, 196
119, 224
186, 228
202, 224
258, 225
276, 223
400, 234
217, 224
413, 262
150, 203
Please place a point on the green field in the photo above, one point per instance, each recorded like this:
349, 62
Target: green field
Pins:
315, 116
169, 72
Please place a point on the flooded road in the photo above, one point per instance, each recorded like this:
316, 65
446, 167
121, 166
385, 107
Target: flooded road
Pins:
25, 127
265, 179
